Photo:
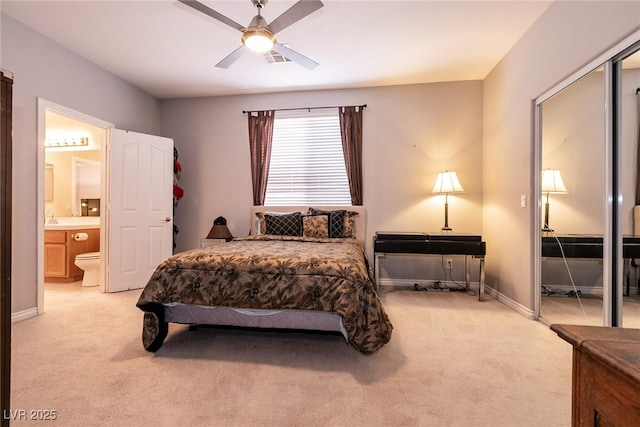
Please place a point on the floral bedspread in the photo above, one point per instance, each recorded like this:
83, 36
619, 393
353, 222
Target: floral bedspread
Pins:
272, 272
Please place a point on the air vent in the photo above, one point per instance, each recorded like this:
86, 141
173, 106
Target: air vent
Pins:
274, 57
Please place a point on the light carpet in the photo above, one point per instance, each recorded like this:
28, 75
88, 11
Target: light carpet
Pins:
451, 361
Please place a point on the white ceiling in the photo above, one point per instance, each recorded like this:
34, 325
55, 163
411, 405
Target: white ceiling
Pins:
169, 49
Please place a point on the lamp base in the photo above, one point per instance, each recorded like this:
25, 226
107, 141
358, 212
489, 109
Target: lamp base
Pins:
446, 229
547, 230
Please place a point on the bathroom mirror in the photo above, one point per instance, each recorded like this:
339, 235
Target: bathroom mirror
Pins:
77, 175
85, 182
48, 182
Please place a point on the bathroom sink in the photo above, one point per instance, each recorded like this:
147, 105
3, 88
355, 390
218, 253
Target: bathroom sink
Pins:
73, 223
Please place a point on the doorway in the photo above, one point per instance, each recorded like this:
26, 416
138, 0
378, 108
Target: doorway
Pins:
136, 226
56, 122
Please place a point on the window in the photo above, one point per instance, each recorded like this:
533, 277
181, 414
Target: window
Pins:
307, 162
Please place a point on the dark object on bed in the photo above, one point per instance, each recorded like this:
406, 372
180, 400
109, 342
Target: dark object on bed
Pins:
312, 276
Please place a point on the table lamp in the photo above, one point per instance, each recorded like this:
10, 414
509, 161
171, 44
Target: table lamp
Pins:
551, 184
447, 182
219, 230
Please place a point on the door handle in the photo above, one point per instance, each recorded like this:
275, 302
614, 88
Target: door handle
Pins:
166, 219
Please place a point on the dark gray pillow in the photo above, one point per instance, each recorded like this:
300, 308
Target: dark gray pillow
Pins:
289, 224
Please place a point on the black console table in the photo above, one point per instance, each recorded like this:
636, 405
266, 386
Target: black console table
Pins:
390, 243
585, 246
588, 247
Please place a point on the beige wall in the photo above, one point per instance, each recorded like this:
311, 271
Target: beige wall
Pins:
565, 38
44, 69
411, 133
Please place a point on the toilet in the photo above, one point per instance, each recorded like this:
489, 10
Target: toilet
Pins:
90, 263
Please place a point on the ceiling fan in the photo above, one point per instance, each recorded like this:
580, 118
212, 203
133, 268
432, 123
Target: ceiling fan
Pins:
260, 36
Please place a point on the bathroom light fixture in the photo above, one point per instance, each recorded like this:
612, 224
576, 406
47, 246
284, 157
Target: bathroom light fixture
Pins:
551, 184
67, 141
447, 182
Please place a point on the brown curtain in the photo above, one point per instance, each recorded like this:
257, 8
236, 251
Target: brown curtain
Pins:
260, 138
351, 133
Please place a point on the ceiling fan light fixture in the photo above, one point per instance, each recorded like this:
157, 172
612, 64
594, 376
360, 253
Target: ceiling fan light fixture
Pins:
258, 39
260, 36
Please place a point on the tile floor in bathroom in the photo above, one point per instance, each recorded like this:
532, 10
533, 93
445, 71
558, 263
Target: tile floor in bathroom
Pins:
65, 290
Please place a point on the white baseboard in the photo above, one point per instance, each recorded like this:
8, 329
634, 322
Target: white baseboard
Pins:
24, 315
516, 306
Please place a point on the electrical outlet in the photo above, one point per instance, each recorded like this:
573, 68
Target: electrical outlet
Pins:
449, 263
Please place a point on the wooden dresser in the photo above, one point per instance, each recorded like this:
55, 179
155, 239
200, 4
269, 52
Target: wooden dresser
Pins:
606, 375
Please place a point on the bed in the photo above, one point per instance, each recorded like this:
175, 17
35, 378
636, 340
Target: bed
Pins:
319, 280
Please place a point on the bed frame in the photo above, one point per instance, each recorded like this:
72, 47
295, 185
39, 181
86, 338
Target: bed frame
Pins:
272, 319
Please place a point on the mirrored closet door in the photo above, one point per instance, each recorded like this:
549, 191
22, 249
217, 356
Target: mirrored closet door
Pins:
572, 188
589, 189
628, 83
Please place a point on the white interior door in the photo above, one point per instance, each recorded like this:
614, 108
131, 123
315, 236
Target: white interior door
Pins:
140, 208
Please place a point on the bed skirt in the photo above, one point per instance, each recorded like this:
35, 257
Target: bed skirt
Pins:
156, 323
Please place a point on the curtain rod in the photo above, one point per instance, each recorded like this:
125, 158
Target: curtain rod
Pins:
304, 108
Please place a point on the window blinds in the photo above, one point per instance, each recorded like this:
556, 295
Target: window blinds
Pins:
307, 163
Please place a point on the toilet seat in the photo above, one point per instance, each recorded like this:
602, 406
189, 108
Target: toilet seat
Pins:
88, 256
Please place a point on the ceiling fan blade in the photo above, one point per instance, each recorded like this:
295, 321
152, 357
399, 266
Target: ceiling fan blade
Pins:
294, 14
212, 13
295, 56
232, 57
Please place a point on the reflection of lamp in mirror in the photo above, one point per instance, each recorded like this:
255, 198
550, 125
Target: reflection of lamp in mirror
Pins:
447, 182
551, 184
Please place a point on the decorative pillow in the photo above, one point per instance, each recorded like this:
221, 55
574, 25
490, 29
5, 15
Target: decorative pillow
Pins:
315, 226
349, 224
336, 221
260, 226
283, 224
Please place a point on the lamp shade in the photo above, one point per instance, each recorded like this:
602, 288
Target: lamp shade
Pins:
219, 230
447, 182
552, 182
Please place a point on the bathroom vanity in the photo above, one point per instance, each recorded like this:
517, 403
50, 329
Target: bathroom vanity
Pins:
61, 248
